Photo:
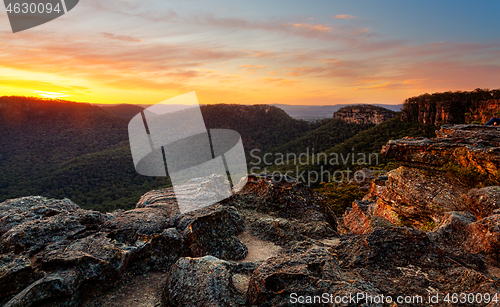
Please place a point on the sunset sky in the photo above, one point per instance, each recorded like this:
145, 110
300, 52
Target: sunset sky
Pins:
291, 52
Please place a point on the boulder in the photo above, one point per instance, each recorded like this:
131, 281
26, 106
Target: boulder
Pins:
131, 224
21, 210
205, 281
212, 231
461, 234
305, 269
364, 217
51, 288
282, 231
34, 235
417, 197
194, 194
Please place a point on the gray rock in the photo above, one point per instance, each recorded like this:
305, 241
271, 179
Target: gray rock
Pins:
205, 281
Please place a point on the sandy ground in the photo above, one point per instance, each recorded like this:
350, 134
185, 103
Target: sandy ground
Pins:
140, 291
257, 249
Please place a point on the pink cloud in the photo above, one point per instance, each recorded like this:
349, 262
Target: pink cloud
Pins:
123, 38
344, 16
281, 81
251, 69
311, 27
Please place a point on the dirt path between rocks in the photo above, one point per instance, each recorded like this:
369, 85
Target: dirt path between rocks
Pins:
140, 291
258, 249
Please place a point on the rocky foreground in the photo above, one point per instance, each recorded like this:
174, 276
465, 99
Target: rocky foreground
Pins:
418, 232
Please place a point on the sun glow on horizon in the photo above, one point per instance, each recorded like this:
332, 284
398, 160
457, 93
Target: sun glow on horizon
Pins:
51, 95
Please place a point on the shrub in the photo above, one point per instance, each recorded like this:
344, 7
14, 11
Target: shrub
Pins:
340, 195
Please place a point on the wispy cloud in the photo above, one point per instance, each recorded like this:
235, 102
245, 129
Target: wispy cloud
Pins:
311, 27
344, 16
52, 95
281, 81
40, 86
397, 85
123, 38
251, 69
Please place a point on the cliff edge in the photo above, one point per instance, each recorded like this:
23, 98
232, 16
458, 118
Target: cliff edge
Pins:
364, 114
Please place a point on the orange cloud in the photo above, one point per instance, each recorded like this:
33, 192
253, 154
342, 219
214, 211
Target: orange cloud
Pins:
344, 16
42, 86
251, 69
345, 34
123, 38
281, 81
311, 27
389, 86
264, 54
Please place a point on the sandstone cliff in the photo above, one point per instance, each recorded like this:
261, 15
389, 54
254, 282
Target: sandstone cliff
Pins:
364, 114
477, 106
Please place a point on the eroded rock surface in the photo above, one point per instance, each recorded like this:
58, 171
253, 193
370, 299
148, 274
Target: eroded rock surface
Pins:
281, 209
53, 251
458, 217
468, 146
205, 281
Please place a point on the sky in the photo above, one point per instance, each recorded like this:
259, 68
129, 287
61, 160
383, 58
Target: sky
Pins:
254, 52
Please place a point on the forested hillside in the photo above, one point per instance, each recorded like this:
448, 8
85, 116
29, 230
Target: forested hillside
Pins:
80, 151
66, 149
123, 110
365, 142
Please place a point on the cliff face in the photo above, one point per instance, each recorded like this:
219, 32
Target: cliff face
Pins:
484, 111
453, 107
446, 112
364, 114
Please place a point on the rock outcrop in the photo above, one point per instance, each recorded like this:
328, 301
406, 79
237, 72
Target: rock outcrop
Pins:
466, 146
53, 251
364, 114
281, 209
430, 193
